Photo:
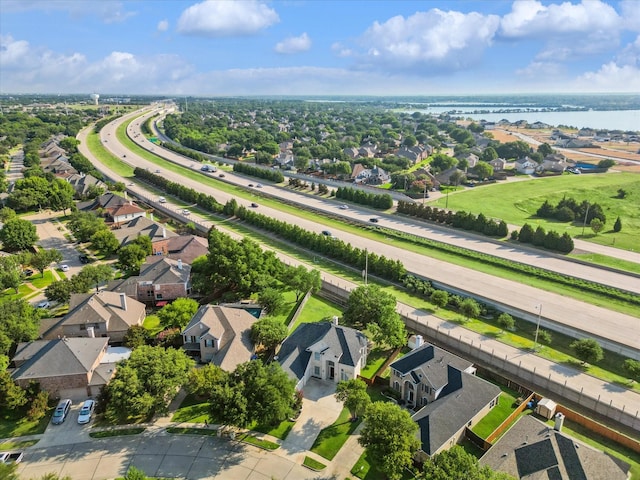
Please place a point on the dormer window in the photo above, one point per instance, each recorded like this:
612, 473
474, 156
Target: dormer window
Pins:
316, 356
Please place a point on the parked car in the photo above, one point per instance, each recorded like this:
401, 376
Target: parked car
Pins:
86, 411
258, 185
373, 220
83, 258
61, 411
28, 272
43, 304
11, 457
64, 268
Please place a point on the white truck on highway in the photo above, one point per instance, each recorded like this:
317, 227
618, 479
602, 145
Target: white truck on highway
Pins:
11, 457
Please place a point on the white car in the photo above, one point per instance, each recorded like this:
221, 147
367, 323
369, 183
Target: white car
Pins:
64, 268
43, 304
344, 207
162, 200
186, 212
259, 185
84, 416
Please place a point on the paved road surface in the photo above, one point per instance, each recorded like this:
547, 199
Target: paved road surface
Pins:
589, 319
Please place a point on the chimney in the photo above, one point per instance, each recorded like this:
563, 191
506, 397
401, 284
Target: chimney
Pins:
179, 264
123, 301
90, 332
335, 320
419, 341
164, 232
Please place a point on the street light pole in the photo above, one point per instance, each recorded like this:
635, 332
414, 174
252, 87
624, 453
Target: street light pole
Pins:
535, 341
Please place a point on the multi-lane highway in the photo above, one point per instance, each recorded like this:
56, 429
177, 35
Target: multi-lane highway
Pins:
617, 331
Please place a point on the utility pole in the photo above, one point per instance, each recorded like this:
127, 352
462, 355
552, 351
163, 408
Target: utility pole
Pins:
365, 272
424, 195
586, 214
535, 341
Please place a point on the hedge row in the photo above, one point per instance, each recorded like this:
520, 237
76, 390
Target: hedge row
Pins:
187, 152
355, 195
266, 173
540, 238
101, 123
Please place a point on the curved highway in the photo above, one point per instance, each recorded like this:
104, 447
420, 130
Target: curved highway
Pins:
616, 331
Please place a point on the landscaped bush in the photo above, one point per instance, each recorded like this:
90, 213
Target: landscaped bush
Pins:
383, 202
266, 173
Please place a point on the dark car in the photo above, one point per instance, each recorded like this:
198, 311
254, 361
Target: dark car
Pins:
28, 272
254, 205
327, 233
373, 220
221, 175
83, 259
251, 185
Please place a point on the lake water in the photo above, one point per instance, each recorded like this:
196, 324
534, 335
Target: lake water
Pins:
607, 120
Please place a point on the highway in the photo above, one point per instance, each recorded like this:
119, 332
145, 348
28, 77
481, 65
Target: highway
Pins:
616, 331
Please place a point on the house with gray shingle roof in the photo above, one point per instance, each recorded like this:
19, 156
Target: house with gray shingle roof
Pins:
163, 279
323, 350
102, 314
532, 450
129, 231
63, 365
220, 335
444, 385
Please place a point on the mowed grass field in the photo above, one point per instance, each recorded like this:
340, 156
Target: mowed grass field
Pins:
516, 203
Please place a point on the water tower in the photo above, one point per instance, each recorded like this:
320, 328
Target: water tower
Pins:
94, 97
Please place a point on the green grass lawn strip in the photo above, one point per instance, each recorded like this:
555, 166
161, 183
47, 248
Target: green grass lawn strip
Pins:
10, 293
152, 324
117, 432
192, 410
517, 202
17, 445
15, 423
315, 310
210, 432
258, 442
40, 281
279, 431
496, 416
105, 157
607, 261
375, 359
313, 464
331, 438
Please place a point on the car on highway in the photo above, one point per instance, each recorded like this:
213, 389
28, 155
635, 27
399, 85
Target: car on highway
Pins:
64, 268
124, 156
258, 185
344, 207
43, 304
11, 457
84, 416
131, 184
162, 200
327, 233
185, 212
374, 220
254, 205
250, 185
158, 171
61, 411
221, 175
208, 168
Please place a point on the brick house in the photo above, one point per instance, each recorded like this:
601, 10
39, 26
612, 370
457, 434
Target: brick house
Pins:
163, 279
63, 366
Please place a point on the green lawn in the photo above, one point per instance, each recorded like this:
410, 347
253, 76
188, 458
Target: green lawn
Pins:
279, 431
517, 202
6, 446
192, 410
258, 442
10, 293
16, 424
107, 158
331, 439
496, 416
608, 261
367, 469
117, 432
313, 464
376, 357
152, 324
315, 310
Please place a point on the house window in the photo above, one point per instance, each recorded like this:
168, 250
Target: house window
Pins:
158, 296
316, 371
149, 293
316, 356
492, 404
208, 343
83, 327
343, 375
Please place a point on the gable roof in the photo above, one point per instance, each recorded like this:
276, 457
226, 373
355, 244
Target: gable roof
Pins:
294, 353
162, 270
187, 247
126, 209
53, 358
105, 306
108, 200
461, 399
532, 450
231, 326
141, 226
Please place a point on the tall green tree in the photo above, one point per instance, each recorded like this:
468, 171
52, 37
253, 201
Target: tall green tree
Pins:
390, 436
12, 396
587, 350
353, 393
105, 242
439, 298
301, 280
131, 257
469, 308
269, 332
42, 259
202, 381
19, 322
95, 275
456, 463
178, 313
18, 234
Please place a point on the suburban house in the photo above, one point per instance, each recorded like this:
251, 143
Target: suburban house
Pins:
163, 279
531, 449
471, 158
415, 154
82, 183
220, 335
444, 177
63, 367
102, 314
451, 397
369, 176
526, 165
185, 247
123, 213
142, 226
498, 164
554, 162
103, 202
351, 152
323, 350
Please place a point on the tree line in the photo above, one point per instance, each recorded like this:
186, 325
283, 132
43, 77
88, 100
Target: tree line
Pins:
266, 173
381, 201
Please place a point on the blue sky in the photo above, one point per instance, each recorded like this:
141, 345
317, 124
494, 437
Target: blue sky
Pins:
316, 47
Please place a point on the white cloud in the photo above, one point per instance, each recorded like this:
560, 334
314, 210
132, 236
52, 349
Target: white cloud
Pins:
631, 14
163, 25
611, 78
12, 52
291, 45
215, 18
428, 41
529, 18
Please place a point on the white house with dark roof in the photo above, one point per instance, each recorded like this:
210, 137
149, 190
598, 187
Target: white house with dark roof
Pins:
323, 350
526, 165
220, 335
451, 397
532, 450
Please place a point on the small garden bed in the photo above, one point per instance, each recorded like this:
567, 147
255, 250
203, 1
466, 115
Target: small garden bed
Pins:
258, 442
331, 439
211, 432
313, 464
